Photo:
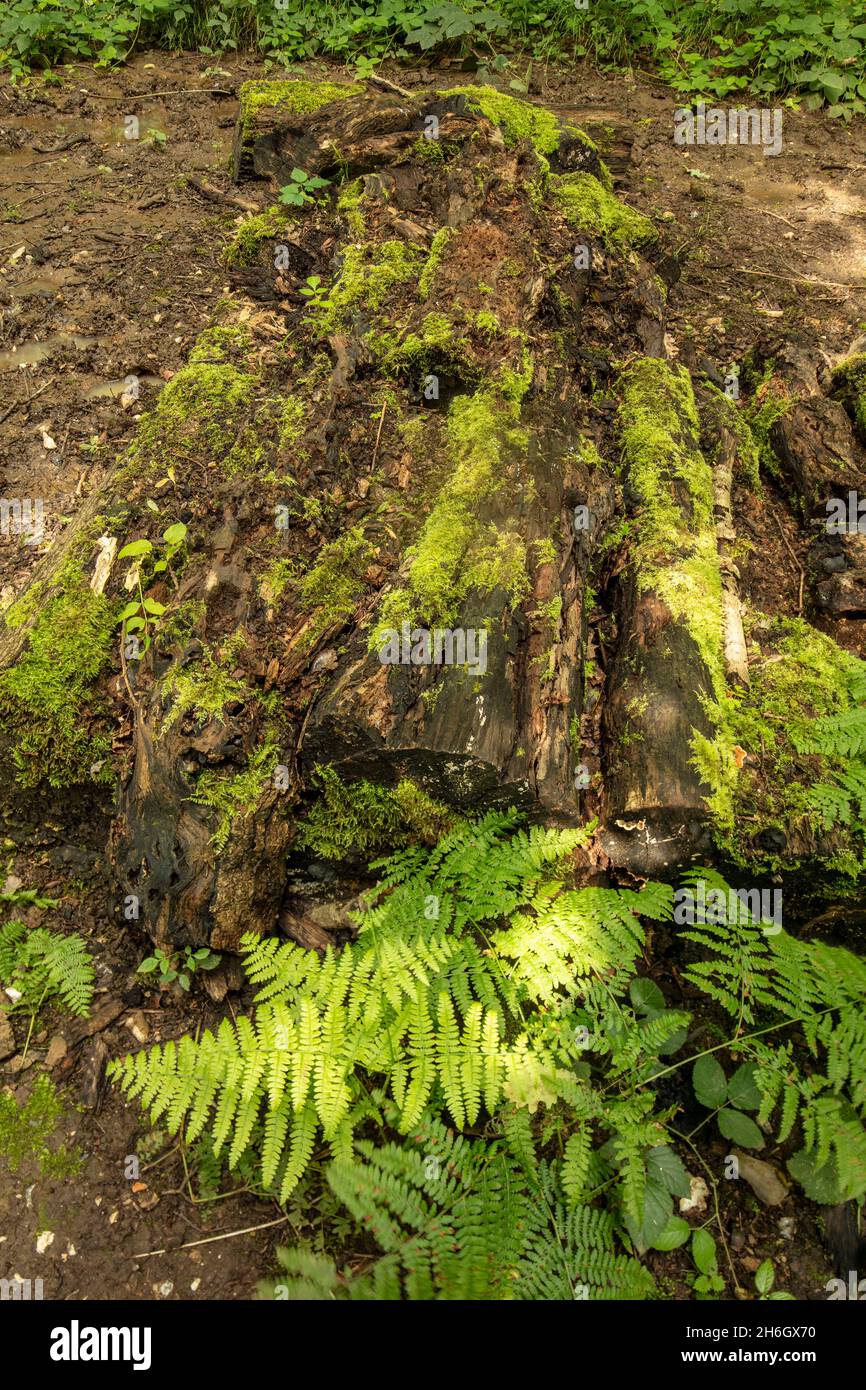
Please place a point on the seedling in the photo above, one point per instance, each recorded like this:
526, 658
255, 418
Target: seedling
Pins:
304, 188
171, 970
138, 615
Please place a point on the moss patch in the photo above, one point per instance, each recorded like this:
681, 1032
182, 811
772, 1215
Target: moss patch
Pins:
247, 241
368, 275
434, 258
801, 676
770, 400
45, 696
331, 588
676, 555
457, 552
295, 97
587, 204
849, 386
201, 413
203, 687
25, 1131
518, 120
232, 796
362, 818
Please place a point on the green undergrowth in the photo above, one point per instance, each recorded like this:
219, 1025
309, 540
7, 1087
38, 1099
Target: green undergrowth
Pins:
361, 818
471, 1097
800, 728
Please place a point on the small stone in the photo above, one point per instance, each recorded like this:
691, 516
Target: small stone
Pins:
138, 1026
57, 1050
43, 1241
195, 1286
762, 1178
7, 1037
166, 1288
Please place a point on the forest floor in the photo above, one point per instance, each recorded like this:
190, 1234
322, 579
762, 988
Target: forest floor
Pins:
109, 268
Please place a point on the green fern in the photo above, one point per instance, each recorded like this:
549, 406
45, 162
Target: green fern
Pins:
43, 965
463, 1219
433, 998
822, 989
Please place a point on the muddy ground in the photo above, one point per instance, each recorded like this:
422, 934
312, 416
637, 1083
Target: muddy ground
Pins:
109, 268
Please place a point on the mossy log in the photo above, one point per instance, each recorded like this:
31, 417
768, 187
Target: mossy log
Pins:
669, 659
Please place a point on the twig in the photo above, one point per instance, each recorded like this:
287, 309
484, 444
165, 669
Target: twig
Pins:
208, 1240
216, 195
799, 279
379, 434
16, 405
391, 86
793, 556
124, 670
140, 96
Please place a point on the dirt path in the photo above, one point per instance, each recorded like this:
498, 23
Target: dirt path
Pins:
109, 270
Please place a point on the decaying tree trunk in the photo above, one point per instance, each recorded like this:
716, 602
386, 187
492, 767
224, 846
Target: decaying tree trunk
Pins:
396, 460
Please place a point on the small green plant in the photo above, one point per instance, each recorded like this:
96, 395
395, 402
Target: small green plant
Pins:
155, 138
181, 969
138, 615
303, 189
37, 965
765, 1278
315, 293
729, 1099
709, 1281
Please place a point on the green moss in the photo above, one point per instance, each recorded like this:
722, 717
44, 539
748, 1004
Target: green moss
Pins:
849, 385
604, 175
514, 382
360, 817
457, 552
277, 579
331, 588
587, 204
436, 344
518, 120
545, 551
204, 687
349, 203
295, 96
676, 555
26, 607
722, 411
368, 275
25, 1131
770, 400
200, 414
247, 240
292, 422
800, 676
434, 258
234, 796
45, 697
486, 323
